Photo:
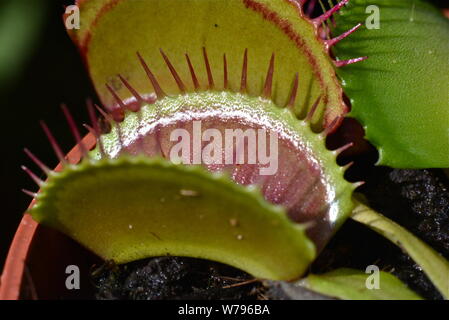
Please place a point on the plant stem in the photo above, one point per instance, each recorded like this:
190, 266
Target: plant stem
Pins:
432, 263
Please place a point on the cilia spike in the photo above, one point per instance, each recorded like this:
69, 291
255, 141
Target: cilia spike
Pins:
112, 114
74, 129
225, 72
347, 166
29, 193
157, 88
344, 148
266, 91
116, 97
210, 78
181, 86
195, 81
34, 177
321, 19
99, 140
135, 94
105, 115
38, 162
343, 63
332, 127
93, 117
358, 184
313, 109
331, 42
243, 81
54, 144
291, 101
267, 88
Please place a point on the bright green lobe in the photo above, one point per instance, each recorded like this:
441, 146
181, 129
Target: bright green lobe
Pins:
350, 284
111, 39
307, 181
401, 93
129, 209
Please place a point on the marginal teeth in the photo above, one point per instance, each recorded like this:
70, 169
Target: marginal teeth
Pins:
343, 148
118, 114
225, 72
74, 129
333, 126
244, 79
34, 177
175, 74
157, 88
358, 184
105, 115
133, 91
38, 162
342, 63
313, 109
266, 93
210, 78
319, 20
347, 166
116, 97
331, 42
95, 127
30, 193
291, 101
196, 84
54, 144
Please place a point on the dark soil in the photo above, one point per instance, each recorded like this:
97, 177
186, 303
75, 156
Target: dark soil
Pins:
416, 199
175, 278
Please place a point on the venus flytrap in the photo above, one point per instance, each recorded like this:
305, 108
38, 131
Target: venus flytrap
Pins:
244, 65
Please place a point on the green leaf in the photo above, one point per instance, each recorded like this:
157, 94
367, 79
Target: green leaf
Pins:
432, 263
350, 284
401, 93
112, 33
135, 207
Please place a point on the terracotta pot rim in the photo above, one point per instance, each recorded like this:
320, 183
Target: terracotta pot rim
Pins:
15, 264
